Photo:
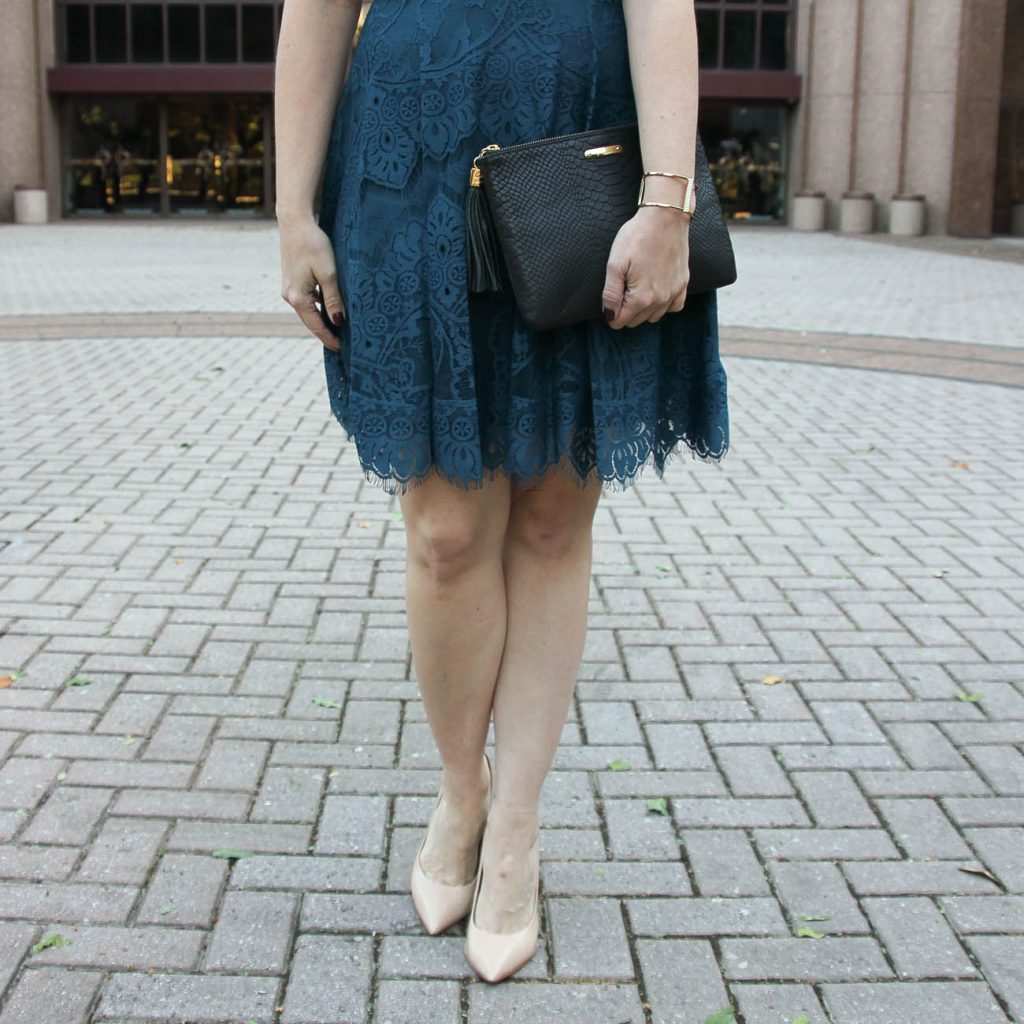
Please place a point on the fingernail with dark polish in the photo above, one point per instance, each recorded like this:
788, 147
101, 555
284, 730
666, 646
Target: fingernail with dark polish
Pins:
338, 318
609, 314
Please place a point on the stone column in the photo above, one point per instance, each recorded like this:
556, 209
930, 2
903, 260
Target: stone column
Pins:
976, 120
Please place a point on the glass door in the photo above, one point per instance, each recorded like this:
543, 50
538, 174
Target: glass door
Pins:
215, 156
746, 148
112, 161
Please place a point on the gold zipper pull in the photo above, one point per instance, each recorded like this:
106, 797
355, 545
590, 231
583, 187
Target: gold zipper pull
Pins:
474, 174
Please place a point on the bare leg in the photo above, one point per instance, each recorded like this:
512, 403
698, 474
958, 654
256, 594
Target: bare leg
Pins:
548, 553
455, 598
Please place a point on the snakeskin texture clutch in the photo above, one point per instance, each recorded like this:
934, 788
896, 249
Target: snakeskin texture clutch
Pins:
547, 215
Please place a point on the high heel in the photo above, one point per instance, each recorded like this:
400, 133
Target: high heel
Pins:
496, 955
439, 905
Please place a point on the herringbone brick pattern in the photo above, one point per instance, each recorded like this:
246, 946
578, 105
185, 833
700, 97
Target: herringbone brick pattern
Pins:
218, 818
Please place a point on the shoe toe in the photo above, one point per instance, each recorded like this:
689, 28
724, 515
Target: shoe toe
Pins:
496, 955
439, 906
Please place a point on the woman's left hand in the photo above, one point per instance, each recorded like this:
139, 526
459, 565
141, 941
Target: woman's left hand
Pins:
648, 267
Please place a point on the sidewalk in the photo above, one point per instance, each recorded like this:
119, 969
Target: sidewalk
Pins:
218, 819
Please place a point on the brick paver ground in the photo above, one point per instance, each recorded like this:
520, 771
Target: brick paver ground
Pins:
215, 769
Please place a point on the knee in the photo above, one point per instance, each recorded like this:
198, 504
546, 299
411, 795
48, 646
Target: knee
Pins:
446, 546
548, 528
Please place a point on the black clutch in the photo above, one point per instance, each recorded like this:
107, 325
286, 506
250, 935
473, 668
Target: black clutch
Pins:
547, 214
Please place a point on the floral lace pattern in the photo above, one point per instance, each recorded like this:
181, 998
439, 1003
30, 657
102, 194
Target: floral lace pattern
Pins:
432, 378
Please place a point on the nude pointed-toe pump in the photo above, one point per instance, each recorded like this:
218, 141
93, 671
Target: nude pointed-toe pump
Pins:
439, 905
496, 955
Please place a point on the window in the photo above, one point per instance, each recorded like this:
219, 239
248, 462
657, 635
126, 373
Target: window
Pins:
111, 33
257, 32
77, 33
775, 44
147, 33
183, 33
172, 31
740, 33
221, 33
749, 35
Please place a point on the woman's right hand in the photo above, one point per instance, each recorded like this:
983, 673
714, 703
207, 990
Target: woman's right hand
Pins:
308, 267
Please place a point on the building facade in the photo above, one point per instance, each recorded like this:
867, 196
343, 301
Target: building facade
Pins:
164, 108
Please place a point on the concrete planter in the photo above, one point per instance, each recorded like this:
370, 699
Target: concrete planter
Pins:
808, 211
30, 205
857, 212
1017, 219
906, 214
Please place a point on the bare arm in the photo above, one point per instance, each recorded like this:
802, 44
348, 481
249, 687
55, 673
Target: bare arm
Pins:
649, 263
663, 60
313, 53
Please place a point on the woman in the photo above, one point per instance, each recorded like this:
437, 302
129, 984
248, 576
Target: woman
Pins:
496, 439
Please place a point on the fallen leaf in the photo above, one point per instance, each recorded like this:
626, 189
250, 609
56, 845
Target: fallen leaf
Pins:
973, 697
772, 680
802, 1019
164, 910
663, 567
726, 1016
396, 517
79, 681
657, 804
326, 702
983, 871
618, 765
364, 523
54, 940
812, 917
960, 465
8, 679
805, 932
227, 853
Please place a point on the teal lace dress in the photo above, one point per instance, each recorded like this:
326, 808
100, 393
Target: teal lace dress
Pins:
433, 378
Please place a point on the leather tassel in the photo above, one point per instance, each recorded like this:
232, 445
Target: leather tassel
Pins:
482, 241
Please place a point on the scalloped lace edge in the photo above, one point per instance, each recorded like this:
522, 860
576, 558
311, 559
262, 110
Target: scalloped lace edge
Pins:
563, 465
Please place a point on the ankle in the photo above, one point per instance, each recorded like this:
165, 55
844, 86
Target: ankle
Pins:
524, 811
516, 827
462, 788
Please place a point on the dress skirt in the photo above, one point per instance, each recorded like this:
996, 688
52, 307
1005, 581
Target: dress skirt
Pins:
433, 378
